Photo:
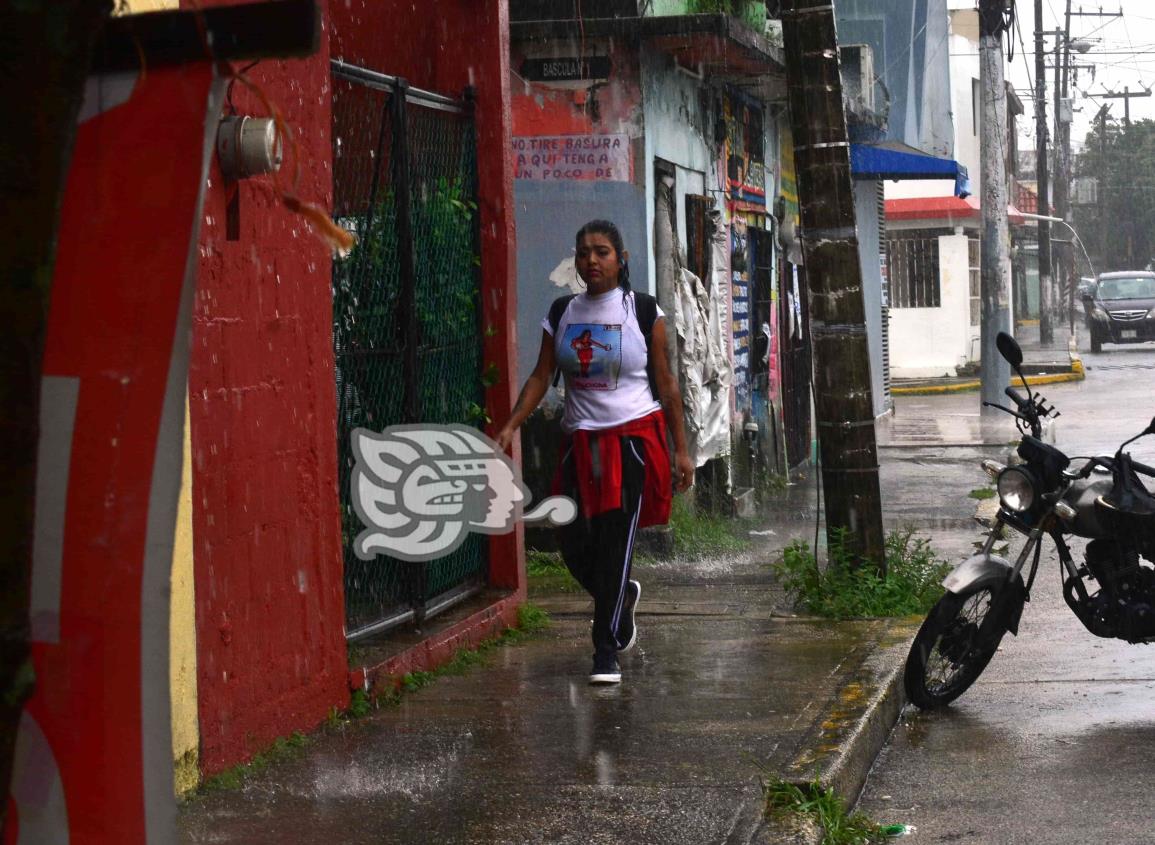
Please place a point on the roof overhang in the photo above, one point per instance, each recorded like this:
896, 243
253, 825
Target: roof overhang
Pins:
718, 45
949, 209
893, 160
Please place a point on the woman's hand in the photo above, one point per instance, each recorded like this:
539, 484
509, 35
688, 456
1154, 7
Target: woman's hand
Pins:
683, 471
504, 438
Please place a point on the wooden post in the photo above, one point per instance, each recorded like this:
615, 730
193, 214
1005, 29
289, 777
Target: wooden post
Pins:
843, 401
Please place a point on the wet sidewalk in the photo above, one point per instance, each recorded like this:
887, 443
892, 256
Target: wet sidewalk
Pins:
726, 689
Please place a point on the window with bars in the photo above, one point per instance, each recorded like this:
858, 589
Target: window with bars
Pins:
974, 259
913, 271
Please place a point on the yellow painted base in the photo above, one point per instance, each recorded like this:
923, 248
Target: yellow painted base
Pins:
1076, 374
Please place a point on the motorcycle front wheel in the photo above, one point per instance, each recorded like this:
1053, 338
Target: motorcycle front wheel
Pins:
947, 656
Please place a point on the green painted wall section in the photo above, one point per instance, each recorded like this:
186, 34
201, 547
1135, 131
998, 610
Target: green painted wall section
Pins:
750, 12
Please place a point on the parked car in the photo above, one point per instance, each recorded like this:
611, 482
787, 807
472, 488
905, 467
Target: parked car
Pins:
1121, 308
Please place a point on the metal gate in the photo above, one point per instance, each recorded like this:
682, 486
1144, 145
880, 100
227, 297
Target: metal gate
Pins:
406, 305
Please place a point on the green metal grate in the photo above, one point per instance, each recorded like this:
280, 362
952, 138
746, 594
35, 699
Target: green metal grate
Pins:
406, 304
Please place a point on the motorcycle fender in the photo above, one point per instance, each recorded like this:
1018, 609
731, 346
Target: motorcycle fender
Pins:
978, 571
991, 571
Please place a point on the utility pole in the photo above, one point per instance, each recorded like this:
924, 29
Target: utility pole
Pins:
1063, 154
1046, 334
996, 260
1061, 267
1102, 192
843, 402
1126, 97
1062, 169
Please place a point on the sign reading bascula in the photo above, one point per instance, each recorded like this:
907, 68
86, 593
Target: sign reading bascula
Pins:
566, 68
556, 158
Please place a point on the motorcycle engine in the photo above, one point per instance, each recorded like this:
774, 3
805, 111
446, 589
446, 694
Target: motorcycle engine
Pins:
1125, 602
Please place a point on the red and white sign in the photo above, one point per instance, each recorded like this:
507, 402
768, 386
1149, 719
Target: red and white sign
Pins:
563, 158
94, 760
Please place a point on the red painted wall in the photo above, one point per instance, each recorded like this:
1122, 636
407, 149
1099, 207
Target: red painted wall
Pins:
268, 565
452, 44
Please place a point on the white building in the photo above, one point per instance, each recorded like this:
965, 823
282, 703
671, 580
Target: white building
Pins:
933, 234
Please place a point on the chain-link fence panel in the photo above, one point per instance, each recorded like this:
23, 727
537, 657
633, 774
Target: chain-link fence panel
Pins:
406, 304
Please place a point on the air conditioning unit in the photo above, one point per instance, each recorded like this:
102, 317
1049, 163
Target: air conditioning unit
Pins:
857, 64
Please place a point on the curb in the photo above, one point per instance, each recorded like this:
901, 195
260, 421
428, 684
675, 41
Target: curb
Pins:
846, 739
1076, 374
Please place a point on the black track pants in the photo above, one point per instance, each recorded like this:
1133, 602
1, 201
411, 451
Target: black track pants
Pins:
598, 551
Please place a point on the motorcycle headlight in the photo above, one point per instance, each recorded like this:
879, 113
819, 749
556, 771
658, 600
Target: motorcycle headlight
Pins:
1017, 489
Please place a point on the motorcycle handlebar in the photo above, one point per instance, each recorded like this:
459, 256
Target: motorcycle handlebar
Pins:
1107, 463
1015, 396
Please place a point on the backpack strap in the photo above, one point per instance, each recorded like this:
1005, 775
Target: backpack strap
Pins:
555, 312
646, 309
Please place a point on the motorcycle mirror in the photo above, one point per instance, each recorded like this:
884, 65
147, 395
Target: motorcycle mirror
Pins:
1009, 349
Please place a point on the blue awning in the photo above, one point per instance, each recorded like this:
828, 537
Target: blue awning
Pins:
893, 160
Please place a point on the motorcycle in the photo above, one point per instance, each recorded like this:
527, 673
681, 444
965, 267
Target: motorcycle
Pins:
1112, 593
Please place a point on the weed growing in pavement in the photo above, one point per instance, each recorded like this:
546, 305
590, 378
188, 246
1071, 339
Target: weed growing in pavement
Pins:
698, 535
913, 581
982, 493
531, 620
823, 808
546, 573
234, 778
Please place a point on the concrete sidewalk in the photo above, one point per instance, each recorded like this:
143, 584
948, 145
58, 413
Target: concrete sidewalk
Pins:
1052, 363
726, 688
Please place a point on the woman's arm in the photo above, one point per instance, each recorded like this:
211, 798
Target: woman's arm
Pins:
531, 392
671, 398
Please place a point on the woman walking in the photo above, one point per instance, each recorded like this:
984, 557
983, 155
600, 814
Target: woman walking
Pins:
619, 402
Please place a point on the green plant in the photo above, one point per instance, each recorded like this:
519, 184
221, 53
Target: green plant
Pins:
825, 809
543, 563
981, 493
912, 584
359, 704
531, 620
697, 535
283, 748
547, 573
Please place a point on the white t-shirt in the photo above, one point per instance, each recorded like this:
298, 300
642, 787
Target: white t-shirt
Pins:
601, 352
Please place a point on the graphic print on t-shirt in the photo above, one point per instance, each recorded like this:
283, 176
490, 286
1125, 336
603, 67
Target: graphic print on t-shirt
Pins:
591, 355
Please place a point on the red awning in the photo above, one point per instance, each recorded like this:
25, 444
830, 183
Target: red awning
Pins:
942, 208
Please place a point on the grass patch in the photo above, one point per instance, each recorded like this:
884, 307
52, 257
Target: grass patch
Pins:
823, 808
913, 581
284, 748
546, 573
699, 535
982, 493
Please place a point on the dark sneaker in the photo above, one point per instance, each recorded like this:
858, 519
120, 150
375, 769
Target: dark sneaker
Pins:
628, 627
606, 670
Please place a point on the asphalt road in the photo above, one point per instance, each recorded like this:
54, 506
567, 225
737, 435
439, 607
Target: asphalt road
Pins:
1055, 743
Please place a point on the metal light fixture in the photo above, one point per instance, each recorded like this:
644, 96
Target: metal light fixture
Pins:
248, 146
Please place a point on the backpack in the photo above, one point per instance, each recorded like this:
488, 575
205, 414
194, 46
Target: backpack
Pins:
646, 308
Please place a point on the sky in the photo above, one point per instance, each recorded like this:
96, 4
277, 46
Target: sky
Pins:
1123, 54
